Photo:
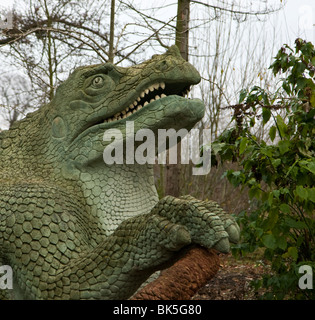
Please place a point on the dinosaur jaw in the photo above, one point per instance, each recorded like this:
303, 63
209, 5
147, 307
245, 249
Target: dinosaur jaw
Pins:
164, 112
154, 92
149, 94
161, 104
172, 111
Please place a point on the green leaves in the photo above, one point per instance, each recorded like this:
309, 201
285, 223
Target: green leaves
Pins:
305, 193
292, 252
300, 64
272, 133
279, 173
266, 113
292, 223
311, 194
284, 146
308, 165
217, 147
269, 241
301, 192
243, 94
243, 145
282, 127
285, 208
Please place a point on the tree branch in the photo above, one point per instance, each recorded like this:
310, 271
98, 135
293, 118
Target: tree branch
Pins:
252, 13
184, 278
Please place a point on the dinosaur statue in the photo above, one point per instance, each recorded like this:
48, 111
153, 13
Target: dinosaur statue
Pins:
73, 227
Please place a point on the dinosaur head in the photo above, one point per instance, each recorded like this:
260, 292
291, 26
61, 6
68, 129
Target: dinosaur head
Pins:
100, 97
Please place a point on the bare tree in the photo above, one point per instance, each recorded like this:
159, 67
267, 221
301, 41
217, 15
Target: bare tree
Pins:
172, 171
232, 52
15, 98
111, 52
50, 38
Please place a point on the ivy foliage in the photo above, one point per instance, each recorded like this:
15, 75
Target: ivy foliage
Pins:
279, 171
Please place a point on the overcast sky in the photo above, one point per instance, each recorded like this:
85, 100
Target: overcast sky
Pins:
298, 16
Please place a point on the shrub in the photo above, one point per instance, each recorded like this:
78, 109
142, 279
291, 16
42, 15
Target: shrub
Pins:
279, 171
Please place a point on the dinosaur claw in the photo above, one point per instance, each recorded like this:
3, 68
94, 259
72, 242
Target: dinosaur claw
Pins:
234, 233
179, 237
223, 245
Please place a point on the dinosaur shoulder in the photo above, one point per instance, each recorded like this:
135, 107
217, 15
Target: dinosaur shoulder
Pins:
43, 206
39, 200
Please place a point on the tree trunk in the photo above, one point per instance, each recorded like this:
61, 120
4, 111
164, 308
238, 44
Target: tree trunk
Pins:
172, 171
184, 278
182, 27
111, 33
49, 54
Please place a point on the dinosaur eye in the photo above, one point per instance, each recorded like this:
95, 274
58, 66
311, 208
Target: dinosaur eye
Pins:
98, 82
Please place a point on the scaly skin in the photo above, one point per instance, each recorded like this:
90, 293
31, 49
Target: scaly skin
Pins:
72, 227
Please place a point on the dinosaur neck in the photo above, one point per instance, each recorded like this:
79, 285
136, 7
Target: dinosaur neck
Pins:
118, 192
25, 148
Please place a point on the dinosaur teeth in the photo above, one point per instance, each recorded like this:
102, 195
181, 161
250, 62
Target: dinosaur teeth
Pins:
141, 101
186, 92
153, 87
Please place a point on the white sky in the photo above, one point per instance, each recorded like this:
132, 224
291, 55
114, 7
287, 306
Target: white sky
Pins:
299, 18
298, 15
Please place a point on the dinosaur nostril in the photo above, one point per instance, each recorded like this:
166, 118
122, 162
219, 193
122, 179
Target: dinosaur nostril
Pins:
162, 65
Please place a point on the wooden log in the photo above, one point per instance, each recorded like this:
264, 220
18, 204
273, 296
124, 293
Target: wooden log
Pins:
184, 278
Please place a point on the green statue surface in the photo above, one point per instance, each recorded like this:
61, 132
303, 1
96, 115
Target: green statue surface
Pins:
74, 227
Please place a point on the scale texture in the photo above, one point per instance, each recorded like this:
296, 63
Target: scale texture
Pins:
74, 227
